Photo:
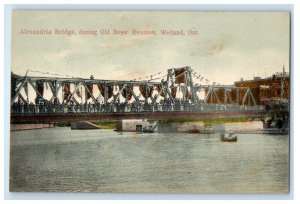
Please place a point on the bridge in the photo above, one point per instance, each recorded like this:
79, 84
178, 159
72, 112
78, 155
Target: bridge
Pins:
180, 93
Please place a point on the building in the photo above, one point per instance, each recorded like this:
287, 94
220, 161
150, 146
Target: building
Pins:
268, 89
262, 91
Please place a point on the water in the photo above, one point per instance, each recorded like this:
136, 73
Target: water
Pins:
64, 160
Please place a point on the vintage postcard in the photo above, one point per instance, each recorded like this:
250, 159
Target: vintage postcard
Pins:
150, 102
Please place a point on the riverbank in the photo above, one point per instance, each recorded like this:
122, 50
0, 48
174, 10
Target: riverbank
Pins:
184, 124
19, 127
207, 121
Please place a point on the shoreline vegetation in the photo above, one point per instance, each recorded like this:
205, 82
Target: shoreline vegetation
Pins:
208, 122
103, 125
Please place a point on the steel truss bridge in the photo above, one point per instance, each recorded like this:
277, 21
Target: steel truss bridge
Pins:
177, 95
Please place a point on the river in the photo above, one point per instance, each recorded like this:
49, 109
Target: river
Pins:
64, 160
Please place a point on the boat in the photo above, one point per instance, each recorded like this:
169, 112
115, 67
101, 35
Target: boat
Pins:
148, 131
208, 131
202, 131
194, 131
229, 137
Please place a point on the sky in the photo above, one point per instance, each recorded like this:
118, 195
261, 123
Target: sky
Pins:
227, 46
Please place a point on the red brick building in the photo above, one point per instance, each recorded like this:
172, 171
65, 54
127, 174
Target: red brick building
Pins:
271, 88
262, 90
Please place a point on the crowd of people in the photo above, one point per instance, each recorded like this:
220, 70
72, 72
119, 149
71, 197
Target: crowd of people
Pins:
167, 104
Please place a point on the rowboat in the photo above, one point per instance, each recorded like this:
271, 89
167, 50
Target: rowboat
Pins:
229, 137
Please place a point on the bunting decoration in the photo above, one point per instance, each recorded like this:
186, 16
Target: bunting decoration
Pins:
26, 89
188, 95
173, 91
128, 91
101, 87
66, 91
90, 92
46, 73
146, 91
160, 90
40, 90
180, 75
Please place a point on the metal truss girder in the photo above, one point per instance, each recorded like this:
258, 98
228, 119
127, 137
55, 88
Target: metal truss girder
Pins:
19, 90
169, 94
248, 94
155, 98
73, 93
135, 97
207, 95
228, 96
120, 93
92, 81
36, 91
86, 89
213, 91
22, 98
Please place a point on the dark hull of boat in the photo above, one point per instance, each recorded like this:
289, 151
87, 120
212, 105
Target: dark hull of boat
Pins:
148, 131
228, 140
201, 131
193, 131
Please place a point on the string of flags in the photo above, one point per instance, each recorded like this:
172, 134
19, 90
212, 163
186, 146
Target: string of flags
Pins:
148, 78
29, 70
156, 76
199, 77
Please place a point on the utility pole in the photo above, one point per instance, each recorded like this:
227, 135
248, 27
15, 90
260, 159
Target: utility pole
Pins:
281, 85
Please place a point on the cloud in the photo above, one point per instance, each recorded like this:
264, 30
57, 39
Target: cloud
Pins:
227, 48
212, 46
59, 55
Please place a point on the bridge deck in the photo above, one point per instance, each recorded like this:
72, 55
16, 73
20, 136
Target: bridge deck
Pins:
140, 115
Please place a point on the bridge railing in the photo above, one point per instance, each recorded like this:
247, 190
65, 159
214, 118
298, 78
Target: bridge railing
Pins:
53, 109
